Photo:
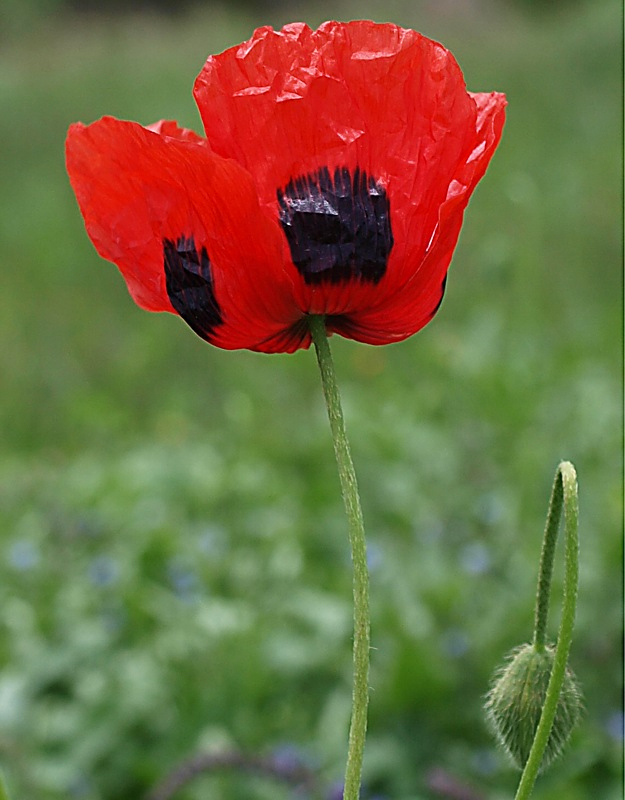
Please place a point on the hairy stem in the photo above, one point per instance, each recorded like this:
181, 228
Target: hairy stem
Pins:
356, 532
564, 493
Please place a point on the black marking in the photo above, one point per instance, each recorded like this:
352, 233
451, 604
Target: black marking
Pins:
338, 227
440, 301
189, 283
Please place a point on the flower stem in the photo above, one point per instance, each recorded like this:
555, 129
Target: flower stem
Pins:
356, 531
564, 493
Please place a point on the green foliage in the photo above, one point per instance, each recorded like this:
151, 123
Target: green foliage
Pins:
174, 572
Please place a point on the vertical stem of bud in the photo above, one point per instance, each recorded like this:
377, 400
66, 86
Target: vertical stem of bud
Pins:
564, 494
356, 531
550, 537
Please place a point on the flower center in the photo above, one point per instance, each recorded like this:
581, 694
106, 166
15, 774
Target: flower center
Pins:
338, 227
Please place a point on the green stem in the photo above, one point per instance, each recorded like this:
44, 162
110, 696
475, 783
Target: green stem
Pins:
564, 493
550, 538
356, 531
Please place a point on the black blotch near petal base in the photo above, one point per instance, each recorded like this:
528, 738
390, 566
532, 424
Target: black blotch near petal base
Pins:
338, 227
440, 301
189, 283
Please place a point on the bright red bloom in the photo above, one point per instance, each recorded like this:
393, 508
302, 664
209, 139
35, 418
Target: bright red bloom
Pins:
333, 178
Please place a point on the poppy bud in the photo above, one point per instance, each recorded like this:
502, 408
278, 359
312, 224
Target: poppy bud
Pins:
515, 702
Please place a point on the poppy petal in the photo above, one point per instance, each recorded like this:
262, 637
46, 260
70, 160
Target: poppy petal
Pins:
375, 129
355, 94
415, 302
185, 228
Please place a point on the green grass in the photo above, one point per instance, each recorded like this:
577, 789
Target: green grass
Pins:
174, 567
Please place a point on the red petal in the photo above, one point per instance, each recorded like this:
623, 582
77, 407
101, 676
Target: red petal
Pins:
414, 303
170, 128
379, 98
138, 187
348, 94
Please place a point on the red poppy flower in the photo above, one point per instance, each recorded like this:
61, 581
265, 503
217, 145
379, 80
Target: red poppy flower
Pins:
333, 178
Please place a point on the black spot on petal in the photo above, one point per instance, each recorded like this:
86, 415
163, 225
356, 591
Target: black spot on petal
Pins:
189, 282
443, 286
338, 227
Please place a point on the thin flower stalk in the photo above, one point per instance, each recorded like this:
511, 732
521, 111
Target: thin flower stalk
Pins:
564, 495
356, 533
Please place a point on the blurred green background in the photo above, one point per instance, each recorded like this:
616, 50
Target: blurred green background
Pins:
174, 573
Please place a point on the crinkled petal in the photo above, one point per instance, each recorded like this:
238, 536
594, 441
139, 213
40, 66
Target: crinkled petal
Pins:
355, 98
185, 228
416, 301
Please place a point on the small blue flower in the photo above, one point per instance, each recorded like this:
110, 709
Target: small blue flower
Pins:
455, 643
335, 791
183, 580
288, 757
615, 725
103, 571
475, 558
485, 762
375, 556
23, 555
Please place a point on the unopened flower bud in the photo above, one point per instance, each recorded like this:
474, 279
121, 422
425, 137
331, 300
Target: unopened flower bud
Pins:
515, 702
